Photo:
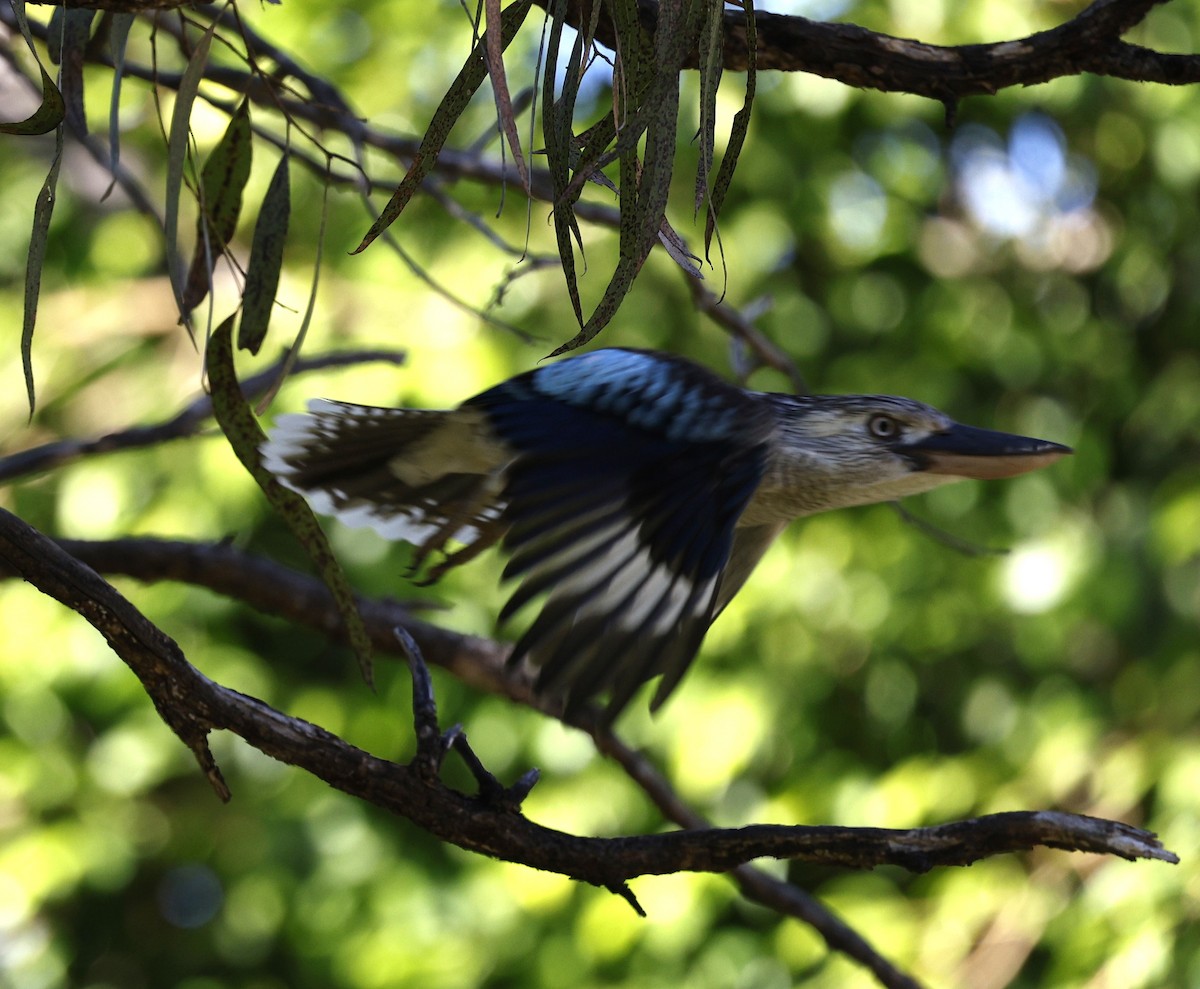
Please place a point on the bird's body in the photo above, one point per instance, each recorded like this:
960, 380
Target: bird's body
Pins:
636, 490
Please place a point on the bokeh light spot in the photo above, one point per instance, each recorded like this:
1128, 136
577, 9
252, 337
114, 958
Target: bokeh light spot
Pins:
1035, 579
190, 896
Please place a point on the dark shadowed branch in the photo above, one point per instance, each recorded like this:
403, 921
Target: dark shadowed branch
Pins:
275, 589
193, 705
1090, 42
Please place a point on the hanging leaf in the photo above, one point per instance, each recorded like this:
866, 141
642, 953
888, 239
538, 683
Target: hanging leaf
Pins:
293, 353
468, 81
678, 250
245, 435
46, 117
494, 53
644, 191
737, 133
70, 39
222, 181
557, 115
711, 38
118, 36
43, 210
53, 109
636, 53
616, 136
266, 259
177, 149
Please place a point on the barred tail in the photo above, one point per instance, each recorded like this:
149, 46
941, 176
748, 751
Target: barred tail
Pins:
419, 475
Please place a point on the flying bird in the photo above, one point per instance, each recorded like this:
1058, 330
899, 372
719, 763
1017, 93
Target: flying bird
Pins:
635, 490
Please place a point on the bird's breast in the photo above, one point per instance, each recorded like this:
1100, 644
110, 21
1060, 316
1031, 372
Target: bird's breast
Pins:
783, 497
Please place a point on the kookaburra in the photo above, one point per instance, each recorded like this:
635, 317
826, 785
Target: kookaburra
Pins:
635, 490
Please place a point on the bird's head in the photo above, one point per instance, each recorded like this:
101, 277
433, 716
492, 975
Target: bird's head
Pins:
861, 449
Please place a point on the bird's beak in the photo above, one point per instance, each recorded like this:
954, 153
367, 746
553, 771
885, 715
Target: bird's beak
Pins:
983, 454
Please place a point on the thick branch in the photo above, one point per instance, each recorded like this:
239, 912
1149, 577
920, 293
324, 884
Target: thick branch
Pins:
277, 590
1089, 42
193, 704
492, 823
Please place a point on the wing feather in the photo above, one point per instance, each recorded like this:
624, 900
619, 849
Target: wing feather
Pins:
623, 514
421, 475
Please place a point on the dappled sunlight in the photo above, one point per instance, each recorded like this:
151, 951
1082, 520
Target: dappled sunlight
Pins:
347, 848
95, 500
857, 212
991, 711
592, 802
877, 904
253, 914
1036, 578
1029, 191
815, 95
1063, 750
713, 742
607, 929
1028, 269
128, 760
560, 749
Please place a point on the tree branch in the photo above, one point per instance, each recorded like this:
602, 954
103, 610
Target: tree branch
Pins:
193, 699
491, 822
1089, 42
187, 422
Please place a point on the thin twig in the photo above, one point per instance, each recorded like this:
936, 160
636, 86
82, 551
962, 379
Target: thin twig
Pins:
741, 327
187, 422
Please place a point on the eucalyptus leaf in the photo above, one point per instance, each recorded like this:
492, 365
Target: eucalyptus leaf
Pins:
177, 150
293, 353
645, 189
76, 31
711, 47
737, 133
245, 436
222, 182
118, 37
43, 211
465, 84
266, 259
557, 114
494, 53
53, 108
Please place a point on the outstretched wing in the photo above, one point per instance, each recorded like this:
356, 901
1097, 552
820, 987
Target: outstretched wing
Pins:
630, 474
420, 475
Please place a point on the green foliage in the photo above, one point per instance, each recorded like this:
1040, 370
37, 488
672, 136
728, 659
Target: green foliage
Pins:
867, 674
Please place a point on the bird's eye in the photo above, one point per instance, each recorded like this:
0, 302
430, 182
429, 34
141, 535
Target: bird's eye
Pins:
883, 427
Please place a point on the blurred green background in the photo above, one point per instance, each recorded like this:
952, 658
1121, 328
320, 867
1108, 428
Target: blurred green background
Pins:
1032, 269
